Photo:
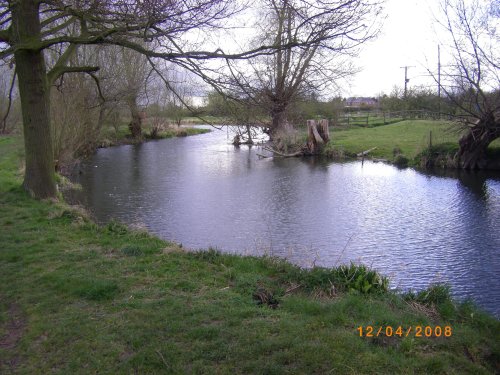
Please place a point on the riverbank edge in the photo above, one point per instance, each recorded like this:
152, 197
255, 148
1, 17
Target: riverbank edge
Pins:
77, 297
438, 156
125, 139
69, 167
426, 161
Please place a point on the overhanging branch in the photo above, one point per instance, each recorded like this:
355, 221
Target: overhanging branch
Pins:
58, 71
176, 94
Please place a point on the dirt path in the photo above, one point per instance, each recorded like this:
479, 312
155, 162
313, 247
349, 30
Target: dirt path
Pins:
13, 330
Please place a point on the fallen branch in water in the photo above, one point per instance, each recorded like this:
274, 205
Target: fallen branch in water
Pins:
298, 153
364, 153
263, 156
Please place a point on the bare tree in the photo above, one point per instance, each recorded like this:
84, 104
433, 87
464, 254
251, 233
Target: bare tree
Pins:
76, 117
29, 27
137, 70
472, 82
77, 105
178, 94
333, 29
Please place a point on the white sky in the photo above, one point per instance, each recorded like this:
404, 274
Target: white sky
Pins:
409, 38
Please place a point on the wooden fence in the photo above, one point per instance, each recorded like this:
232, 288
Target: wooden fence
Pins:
383, 118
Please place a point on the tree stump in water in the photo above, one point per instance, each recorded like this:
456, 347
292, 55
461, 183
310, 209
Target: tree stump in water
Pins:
318, 135
236, 140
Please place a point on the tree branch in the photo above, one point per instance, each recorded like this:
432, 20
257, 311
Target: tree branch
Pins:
98, 85
4, 120
61, 63
176, 94
57, 72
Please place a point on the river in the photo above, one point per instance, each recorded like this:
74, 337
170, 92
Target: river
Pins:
414, 227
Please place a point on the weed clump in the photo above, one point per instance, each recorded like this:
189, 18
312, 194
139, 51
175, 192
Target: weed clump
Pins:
132, 251
435, 294
351, 278
211, 255
116, 227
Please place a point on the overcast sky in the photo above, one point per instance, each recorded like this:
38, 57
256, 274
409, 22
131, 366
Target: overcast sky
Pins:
409, 38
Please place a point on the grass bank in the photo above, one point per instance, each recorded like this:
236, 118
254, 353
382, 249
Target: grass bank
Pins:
76, 298
406, 138
121, 135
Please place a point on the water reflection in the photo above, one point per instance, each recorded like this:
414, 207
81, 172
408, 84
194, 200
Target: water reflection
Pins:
201, 191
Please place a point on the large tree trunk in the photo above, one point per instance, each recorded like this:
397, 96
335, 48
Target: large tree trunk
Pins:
39, 178
473, 145
135, 125
279, 124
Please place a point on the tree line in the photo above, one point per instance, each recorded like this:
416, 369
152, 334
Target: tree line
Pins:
75, 62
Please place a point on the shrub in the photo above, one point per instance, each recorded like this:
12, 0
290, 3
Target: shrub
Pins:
441, 155
401, 161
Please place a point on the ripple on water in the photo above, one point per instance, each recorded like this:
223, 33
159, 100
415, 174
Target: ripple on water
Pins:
416, 228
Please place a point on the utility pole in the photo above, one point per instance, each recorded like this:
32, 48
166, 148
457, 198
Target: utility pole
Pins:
406, 78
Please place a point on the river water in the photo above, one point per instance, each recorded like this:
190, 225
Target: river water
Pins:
201, 191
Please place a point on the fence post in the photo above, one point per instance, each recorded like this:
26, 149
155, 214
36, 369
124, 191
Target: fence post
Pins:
430, 139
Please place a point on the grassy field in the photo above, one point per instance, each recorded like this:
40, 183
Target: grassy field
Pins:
410, 137
76, 298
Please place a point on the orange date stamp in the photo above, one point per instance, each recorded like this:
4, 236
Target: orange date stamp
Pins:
400, 331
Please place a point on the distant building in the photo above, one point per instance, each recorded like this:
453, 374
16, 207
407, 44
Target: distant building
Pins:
360, 102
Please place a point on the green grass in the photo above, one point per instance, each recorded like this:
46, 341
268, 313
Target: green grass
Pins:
409, 138
76, 298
